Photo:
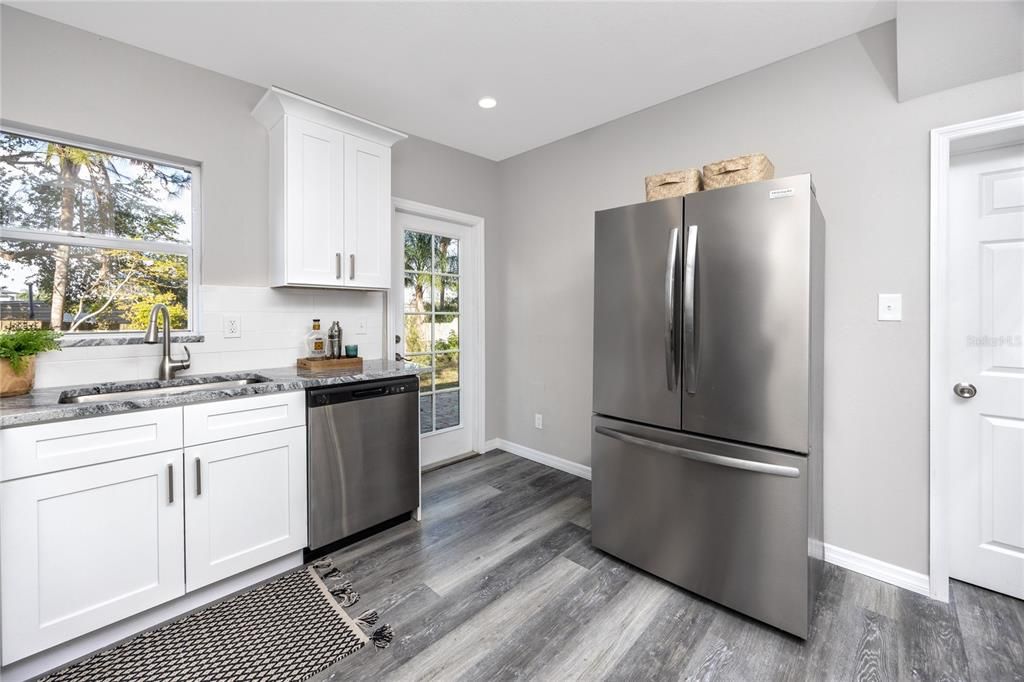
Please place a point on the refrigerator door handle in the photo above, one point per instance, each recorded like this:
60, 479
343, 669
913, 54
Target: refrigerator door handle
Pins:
671, 342
689, 323
697, 456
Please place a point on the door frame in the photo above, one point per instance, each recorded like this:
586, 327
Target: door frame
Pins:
476, 302
995, 131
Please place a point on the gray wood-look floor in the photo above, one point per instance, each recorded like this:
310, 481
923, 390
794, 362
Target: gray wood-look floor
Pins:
500, 581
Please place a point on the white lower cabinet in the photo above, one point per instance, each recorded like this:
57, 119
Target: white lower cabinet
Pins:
120, 529
245, 503
83, 548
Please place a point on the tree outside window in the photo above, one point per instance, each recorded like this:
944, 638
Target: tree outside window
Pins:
91, 239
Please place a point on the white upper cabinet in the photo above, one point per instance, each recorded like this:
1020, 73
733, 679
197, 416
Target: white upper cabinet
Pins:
330, 194
368, 213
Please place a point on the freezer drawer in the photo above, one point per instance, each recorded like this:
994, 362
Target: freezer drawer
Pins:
727, 521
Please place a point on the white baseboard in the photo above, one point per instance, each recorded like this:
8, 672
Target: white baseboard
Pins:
553, 461
877, 569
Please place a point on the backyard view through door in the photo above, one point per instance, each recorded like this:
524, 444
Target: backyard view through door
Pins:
436, 329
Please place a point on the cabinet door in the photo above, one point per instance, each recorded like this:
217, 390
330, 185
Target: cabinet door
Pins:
367, 214
84, 548
245, 503
314, 180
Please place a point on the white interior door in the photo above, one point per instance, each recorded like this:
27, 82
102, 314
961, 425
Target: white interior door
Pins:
437, 314
986, 368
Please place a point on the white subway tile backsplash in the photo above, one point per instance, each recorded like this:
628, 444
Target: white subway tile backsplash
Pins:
274, 323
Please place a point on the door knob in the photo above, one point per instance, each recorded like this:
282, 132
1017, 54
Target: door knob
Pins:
965, 391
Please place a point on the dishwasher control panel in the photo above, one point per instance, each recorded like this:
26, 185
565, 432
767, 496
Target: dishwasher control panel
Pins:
332, 395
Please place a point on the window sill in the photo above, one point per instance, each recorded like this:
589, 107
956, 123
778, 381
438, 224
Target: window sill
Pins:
123, 340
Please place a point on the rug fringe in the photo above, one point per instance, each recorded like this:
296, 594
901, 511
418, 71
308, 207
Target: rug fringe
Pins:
368, 617
345, 594
382, 637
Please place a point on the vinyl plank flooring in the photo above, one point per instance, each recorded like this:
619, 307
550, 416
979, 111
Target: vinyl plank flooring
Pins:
454, 654
554, 629
931, 644
500, 582
993, 632
599, 646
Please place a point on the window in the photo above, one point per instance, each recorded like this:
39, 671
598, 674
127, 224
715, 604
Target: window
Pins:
91, 239
432, 325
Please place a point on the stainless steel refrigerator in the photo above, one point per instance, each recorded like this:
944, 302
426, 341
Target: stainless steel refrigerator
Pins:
708, 376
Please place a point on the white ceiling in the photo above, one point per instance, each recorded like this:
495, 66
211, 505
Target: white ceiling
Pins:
555, 68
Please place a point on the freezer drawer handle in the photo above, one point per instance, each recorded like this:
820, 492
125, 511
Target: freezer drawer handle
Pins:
689, 323
671, 356
705, 457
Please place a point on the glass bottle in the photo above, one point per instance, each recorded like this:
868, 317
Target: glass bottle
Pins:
316, 341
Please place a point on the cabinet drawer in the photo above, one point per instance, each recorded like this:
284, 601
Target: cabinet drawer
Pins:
30, 450
208, 422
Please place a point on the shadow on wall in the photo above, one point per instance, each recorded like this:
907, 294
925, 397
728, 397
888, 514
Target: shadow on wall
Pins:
880, 45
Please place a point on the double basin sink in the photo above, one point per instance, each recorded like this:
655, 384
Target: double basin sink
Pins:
155, 389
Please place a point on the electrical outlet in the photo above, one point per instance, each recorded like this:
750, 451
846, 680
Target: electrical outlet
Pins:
361, 326
232, 323
890, 307
538, 421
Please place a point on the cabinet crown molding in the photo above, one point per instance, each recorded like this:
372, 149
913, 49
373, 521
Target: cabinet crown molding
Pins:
278, 102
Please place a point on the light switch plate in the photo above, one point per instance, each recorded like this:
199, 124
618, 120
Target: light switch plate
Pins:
232, 324
890, 307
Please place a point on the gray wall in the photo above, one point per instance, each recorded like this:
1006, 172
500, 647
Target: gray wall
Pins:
59, 78
831, 111
945, 44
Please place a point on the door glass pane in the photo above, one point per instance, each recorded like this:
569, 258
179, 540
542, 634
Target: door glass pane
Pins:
426, 413
418, 251
446, 294
418, 331
446, 370
447, 406
417, 292
431, 304
446, 332
426, 378
446, 254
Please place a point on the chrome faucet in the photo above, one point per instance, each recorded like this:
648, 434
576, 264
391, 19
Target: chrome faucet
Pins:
168, 366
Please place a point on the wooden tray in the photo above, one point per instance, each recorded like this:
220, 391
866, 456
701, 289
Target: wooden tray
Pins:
315, 364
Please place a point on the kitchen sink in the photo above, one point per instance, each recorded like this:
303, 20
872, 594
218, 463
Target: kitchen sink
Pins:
112, 392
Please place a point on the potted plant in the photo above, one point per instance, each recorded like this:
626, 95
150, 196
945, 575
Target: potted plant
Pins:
18, 350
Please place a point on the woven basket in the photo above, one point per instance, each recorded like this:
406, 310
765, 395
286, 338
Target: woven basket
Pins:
738, 171
673, 184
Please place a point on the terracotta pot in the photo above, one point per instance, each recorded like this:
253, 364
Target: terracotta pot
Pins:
12, 383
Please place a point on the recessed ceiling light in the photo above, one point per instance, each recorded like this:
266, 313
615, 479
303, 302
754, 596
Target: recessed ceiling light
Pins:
487, 102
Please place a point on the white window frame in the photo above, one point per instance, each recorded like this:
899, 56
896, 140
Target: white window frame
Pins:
193, 251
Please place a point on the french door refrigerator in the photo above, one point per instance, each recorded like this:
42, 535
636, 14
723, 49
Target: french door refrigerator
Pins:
708, 376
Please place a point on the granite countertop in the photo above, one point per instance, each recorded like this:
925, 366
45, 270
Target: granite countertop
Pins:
41, 405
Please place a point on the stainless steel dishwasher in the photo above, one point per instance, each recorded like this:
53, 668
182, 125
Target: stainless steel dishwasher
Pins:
363, 456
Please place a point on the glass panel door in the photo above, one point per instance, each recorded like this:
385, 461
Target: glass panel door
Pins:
432, 314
